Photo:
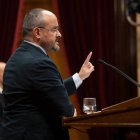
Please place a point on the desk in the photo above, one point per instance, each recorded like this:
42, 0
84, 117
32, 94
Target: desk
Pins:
122, 115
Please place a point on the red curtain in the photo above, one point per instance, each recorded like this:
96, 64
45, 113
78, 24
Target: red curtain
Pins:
99, 26
85, 29
10, 26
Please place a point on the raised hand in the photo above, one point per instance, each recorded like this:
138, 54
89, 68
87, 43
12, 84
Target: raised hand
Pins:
87, 68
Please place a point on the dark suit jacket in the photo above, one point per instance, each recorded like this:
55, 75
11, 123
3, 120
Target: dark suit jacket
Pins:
1, 106
35, 97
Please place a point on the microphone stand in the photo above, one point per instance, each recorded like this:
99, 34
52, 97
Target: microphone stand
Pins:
119, 71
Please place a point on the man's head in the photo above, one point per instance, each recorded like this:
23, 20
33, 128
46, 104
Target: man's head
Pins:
2, 67
41, 27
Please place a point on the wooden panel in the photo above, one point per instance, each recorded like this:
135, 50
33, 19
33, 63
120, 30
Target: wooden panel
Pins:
124, 53
125, 114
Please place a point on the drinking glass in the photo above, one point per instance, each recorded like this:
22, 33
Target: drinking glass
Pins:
89, 105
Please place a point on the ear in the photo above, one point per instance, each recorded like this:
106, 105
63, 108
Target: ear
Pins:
36, 32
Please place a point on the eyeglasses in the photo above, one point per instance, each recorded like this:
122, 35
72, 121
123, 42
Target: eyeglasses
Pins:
55, 29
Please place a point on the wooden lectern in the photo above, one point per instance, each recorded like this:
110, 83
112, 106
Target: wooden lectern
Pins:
124, 114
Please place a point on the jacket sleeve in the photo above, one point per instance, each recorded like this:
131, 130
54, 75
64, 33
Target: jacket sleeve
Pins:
70, 86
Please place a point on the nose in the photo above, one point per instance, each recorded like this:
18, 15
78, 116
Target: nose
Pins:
59, 34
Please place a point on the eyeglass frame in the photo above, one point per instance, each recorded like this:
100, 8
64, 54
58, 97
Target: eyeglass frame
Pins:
52, 30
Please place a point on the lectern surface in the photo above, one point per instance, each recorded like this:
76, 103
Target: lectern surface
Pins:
124, 114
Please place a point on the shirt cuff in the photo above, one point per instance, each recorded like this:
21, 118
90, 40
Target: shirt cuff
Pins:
77, 80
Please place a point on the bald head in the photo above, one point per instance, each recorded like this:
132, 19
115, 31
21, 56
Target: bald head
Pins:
2, 67
41, 27
35, 18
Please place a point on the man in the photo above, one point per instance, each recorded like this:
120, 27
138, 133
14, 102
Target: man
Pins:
2, 67
35, 96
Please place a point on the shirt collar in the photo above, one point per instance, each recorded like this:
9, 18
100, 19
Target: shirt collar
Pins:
36, 45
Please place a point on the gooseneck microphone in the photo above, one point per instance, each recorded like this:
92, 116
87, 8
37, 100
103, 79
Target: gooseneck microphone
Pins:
119, 71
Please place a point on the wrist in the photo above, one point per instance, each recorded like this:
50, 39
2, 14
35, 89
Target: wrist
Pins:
81, 76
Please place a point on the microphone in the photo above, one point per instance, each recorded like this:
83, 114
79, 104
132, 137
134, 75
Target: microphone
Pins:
119, 71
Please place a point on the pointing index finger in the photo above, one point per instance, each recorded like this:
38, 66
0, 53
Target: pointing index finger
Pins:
88, 58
